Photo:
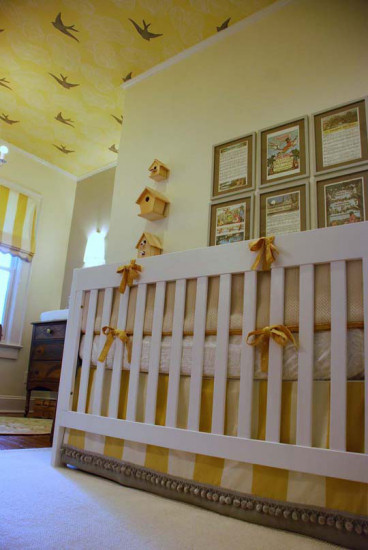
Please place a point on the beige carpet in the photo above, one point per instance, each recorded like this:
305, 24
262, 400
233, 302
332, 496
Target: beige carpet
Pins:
13, 425
65, 509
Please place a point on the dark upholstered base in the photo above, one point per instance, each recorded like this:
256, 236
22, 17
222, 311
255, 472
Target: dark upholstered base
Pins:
347, 530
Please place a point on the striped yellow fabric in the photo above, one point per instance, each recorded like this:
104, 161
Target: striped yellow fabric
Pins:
17, 223
262, 481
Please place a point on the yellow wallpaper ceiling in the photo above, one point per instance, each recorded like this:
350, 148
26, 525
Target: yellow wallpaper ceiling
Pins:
62, 63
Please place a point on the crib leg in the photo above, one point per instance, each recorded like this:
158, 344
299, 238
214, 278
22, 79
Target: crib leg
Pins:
58, 440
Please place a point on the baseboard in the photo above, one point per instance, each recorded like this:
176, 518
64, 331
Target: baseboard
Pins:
13, 404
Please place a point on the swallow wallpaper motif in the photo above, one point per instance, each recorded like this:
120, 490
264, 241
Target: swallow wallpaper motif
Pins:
62, 63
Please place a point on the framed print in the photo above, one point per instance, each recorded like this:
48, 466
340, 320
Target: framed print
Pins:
343, 199
284, 152
284, 210
233, 169
340, 136
230, 221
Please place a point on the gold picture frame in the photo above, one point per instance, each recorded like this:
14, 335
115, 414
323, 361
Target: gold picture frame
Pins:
284, 210
233, 170
283, 151
340, 136
231, 220
342, 199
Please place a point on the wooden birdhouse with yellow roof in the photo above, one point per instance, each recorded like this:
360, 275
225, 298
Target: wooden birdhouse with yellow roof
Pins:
148, 245
152, 204
158, 171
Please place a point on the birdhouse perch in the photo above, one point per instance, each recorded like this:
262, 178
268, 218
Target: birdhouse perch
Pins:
152, 204
158, 171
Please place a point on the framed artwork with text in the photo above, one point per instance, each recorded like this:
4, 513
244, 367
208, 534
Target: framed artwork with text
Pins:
340, 136
233, 170
343, 199
231, 221
284, 210
284, 152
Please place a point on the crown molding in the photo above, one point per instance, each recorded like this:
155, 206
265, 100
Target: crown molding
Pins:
97, 171
38, 159
214, 39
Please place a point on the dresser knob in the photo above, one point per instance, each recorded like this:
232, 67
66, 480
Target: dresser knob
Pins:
49, 330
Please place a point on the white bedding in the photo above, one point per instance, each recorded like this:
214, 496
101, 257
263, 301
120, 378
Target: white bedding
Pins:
355, 365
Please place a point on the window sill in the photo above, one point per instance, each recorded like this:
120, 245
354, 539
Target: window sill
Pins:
9, 351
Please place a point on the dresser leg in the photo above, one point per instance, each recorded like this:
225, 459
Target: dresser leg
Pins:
28, 398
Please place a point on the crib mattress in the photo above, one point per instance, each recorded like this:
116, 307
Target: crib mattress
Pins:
322, 354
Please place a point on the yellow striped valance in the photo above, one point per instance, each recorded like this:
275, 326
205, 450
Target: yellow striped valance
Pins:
17, 223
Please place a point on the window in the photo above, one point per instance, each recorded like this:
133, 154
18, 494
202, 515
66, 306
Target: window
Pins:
8, 266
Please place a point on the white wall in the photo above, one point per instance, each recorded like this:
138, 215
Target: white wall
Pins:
308, 56
57, 191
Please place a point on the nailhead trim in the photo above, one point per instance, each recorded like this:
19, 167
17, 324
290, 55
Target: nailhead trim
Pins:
224, 498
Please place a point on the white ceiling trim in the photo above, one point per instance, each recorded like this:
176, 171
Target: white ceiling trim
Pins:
233, 29
38, 159
97, 171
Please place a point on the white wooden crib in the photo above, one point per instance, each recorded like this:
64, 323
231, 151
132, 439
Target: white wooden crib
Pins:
335, 245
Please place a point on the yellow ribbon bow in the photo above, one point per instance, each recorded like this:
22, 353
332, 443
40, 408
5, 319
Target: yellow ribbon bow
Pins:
267, 252
111, 333
279, 333
129, 272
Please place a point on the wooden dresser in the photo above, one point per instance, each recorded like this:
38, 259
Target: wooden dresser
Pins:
45, 358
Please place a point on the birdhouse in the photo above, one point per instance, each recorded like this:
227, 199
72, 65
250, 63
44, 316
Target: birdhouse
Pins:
148, 245
152, 204
159, 171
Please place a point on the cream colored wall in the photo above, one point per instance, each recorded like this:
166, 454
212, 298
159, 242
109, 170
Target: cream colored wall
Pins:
310, 55
57, 191
92, 210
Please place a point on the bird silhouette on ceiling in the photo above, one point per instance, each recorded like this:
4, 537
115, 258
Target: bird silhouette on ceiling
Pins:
59, 25
118, 120
145, 33
127, 77
223, 25
5, 118
113, 148
63, 149
67, 121
4, 82
63, 81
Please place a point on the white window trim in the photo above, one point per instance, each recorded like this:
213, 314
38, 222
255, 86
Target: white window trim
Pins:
9, 349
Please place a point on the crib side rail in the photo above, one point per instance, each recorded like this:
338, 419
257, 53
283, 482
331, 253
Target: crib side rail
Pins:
335, 246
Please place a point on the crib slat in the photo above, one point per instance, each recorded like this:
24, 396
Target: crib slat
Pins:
274, 387
305, 361
136, 352
365, 308
175, 354
338, 356
222, 349
197, 354
247, 356
87, 351
100, 371
155, 353
118, 357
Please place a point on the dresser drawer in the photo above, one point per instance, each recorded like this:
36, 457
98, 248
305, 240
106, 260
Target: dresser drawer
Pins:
44, 374
53, 332
47, 351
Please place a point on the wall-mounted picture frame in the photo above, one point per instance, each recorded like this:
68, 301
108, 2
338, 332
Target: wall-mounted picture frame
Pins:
340, 136
284, 210
231, 220
342, 199
283, 152
233, 167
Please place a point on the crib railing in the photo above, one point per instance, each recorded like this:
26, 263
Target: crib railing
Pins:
334, 245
